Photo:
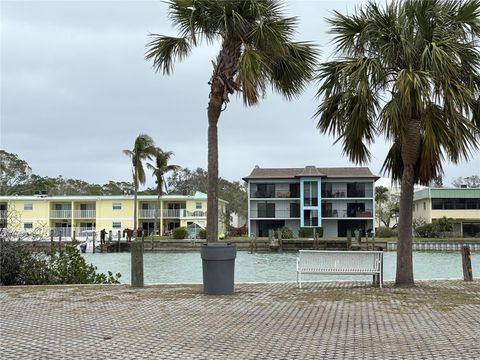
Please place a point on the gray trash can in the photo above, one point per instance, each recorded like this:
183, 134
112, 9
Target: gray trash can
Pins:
218, 262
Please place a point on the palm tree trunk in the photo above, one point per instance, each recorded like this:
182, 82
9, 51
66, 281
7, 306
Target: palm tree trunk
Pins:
135, 212
221, 87
135, 190
212, 192
411, 142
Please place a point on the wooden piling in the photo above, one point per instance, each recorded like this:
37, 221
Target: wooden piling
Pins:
279, 237
94, 235
467, 264
118, 242
136, 249
51, 238
74, 237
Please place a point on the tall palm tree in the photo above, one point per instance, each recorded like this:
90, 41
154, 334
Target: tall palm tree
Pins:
408, 70
143, 149
257, 50
159, 169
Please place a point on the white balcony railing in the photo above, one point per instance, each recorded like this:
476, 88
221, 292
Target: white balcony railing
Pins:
197, 213
170, 213
60, 214
174, 213
85, 214
148, 213
277, 214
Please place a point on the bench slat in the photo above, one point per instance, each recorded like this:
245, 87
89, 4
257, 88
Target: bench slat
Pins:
340, 262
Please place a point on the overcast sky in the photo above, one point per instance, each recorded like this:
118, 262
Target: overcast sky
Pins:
76, 90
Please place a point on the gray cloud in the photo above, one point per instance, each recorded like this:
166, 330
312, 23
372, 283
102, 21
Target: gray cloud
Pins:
76, 90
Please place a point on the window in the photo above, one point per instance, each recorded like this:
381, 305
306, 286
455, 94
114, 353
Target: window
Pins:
310, 195
27, 226
424, 205
28, 206
116, 225
451, 204
198, 205
310, 218
117, 206
265, 191
266, 210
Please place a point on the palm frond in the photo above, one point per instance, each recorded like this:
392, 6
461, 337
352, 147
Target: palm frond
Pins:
165, 50
252, 75
291, 72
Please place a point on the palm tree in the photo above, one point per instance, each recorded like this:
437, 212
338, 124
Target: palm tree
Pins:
159, 169
408, 71
257, 50
143, 149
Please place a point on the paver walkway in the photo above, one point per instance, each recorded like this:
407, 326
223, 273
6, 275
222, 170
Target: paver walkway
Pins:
332, 320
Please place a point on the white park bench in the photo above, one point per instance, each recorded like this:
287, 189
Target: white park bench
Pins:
340, 262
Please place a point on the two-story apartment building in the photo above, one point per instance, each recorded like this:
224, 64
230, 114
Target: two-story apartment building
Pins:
64, 214
462, 205
336, 199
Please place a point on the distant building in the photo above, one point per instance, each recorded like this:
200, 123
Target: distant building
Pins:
64, 214
336, 199
462, 205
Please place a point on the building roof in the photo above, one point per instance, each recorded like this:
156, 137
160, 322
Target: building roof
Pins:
197, 196
446, 193
310, 171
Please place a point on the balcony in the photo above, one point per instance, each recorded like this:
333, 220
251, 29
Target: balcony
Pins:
85, 214
174, 213
196, 213
170, 213
60, 214
276, 214
342, 213
148, 213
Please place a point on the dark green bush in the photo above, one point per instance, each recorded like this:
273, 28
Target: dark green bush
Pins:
26, 266
307, 232
180, 233
427, 230
384, 232
286, 232
202, 234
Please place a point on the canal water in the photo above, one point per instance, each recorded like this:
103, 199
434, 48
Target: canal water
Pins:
186, 266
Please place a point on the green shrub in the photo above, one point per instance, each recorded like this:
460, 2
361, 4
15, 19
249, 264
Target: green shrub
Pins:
384, 232
22, 266
180, 233
427, 230
307, 232
286, 232
202, 234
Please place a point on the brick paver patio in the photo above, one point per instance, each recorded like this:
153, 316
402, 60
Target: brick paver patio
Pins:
334, 320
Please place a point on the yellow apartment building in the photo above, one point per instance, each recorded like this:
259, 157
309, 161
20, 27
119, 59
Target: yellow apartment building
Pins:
65, 214
462, 205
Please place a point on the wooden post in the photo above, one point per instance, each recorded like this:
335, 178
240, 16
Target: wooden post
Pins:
74, 237
110, 236
118, 241
279, 236
143, 240
136, 249
467, 264
51, 238
152, 242
60, 242
94, 235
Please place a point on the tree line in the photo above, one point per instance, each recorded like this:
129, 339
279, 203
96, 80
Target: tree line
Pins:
17, 178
